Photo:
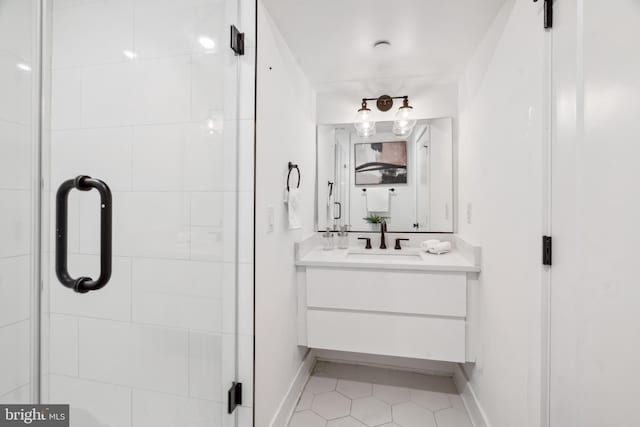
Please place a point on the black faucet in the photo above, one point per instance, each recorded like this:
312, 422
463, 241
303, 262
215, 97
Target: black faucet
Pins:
383, 229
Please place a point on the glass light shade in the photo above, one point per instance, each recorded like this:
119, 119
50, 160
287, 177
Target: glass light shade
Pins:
403, 124
363, 123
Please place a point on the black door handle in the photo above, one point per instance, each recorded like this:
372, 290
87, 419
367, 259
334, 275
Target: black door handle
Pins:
339, 210
83, 284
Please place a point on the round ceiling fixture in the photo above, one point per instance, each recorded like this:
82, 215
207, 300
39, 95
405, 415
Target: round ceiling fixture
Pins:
382, 45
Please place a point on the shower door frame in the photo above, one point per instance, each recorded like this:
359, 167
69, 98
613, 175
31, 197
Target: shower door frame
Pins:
41, 109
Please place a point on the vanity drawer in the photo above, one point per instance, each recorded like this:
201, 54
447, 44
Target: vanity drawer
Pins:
393, 291
387, 334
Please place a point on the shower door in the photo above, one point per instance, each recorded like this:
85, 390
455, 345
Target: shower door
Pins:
18, 199
145, 108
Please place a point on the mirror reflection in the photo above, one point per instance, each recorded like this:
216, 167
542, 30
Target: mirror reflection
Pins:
404, 181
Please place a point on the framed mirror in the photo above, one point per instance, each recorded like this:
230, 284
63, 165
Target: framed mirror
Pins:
407, 181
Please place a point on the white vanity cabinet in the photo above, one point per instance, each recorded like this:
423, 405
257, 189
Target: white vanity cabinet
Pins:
417, 310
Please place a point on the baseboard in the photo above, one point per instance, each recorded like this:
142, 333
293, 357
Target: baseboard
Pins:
426, 367
290, 400
470, 399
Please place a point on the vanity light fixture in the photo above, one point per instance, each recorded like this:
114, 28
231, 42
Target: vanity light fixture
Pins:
402, 125
363, 123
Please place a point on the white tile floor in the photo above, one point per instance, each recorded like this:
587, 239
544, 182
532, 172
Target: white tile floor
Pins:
343, 395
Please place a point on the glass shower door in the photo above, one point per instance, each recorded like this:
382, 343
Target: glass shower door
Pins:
143, 101
18, 198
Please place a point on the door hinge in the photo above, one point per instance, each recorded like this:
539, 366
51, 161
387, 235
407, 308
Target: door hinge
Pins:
237, 41
546, 250
548, 13
235, 396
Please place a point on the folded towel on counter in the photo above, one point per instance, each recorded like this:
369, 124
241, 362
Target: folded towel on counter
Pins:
428, 244
440, 248
377, 199
436, 246
293, 207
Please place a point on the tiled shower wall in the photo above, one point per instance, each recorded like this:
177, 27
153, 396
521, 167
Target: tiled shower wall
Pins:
138, 102
17, 141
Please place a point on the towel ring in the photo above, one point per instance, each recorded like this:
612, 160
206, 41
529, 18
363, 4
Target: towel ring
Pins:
292, 167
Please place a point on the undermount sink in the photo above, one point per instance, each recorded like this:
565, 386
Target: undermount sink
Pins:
384, 254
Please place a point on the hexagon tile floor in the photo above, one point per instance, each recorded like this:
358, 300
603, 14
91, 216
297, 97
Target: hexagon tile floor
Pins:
342, 395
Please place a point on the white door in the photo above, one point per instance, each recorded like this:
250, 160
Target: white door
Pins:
595, 298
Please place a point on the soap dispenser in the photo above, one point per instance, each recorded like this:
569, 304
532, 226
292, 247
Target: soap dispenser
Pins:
328, 240
343, 237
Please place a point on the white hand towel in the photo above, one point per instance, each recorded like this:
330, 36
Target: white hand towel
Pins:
441, 248
377, 199
293, 206
428, 244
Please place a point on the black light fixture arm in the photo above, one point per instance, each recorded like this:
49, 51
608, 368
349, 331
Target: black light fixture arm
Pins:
405, 97
385, 102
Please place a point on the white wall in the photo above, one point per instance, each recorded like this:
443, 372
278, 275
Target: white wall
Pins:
285, 132
595, 292
18, 86
156, 346
500, 163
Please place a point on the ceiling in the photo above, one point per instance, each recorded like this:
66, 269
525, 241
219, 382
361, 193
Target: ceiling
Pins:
431, 40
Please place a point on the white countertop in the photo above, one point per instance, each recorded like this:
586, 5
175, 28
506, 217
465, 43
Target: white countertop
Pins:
388, 259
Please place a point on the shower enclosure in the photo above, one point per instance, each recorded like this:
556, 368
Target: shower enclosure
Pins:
124, 185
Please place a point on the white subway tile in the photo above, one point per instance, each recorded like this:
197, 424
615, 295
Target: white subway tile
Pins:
66, 97
139, 92
246, 155
207, 209
63, 345
111, 302
245, 368
245, 299
245, 417
162, 410
17, 27
245, 227
15, 342
206, 166
17, 396
229, 235
208, 243
93, 404
168, 28
16, 151
207, 86
158, 158
247, 84
177, 310
145, 357
244, 305
144, 224
205, 365
15, 287
16, 89
103, 153
90, 33
248, 22
15, 227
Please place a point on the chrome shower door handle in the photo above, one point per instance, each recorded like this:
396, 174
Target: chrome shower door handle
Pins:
83, 284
